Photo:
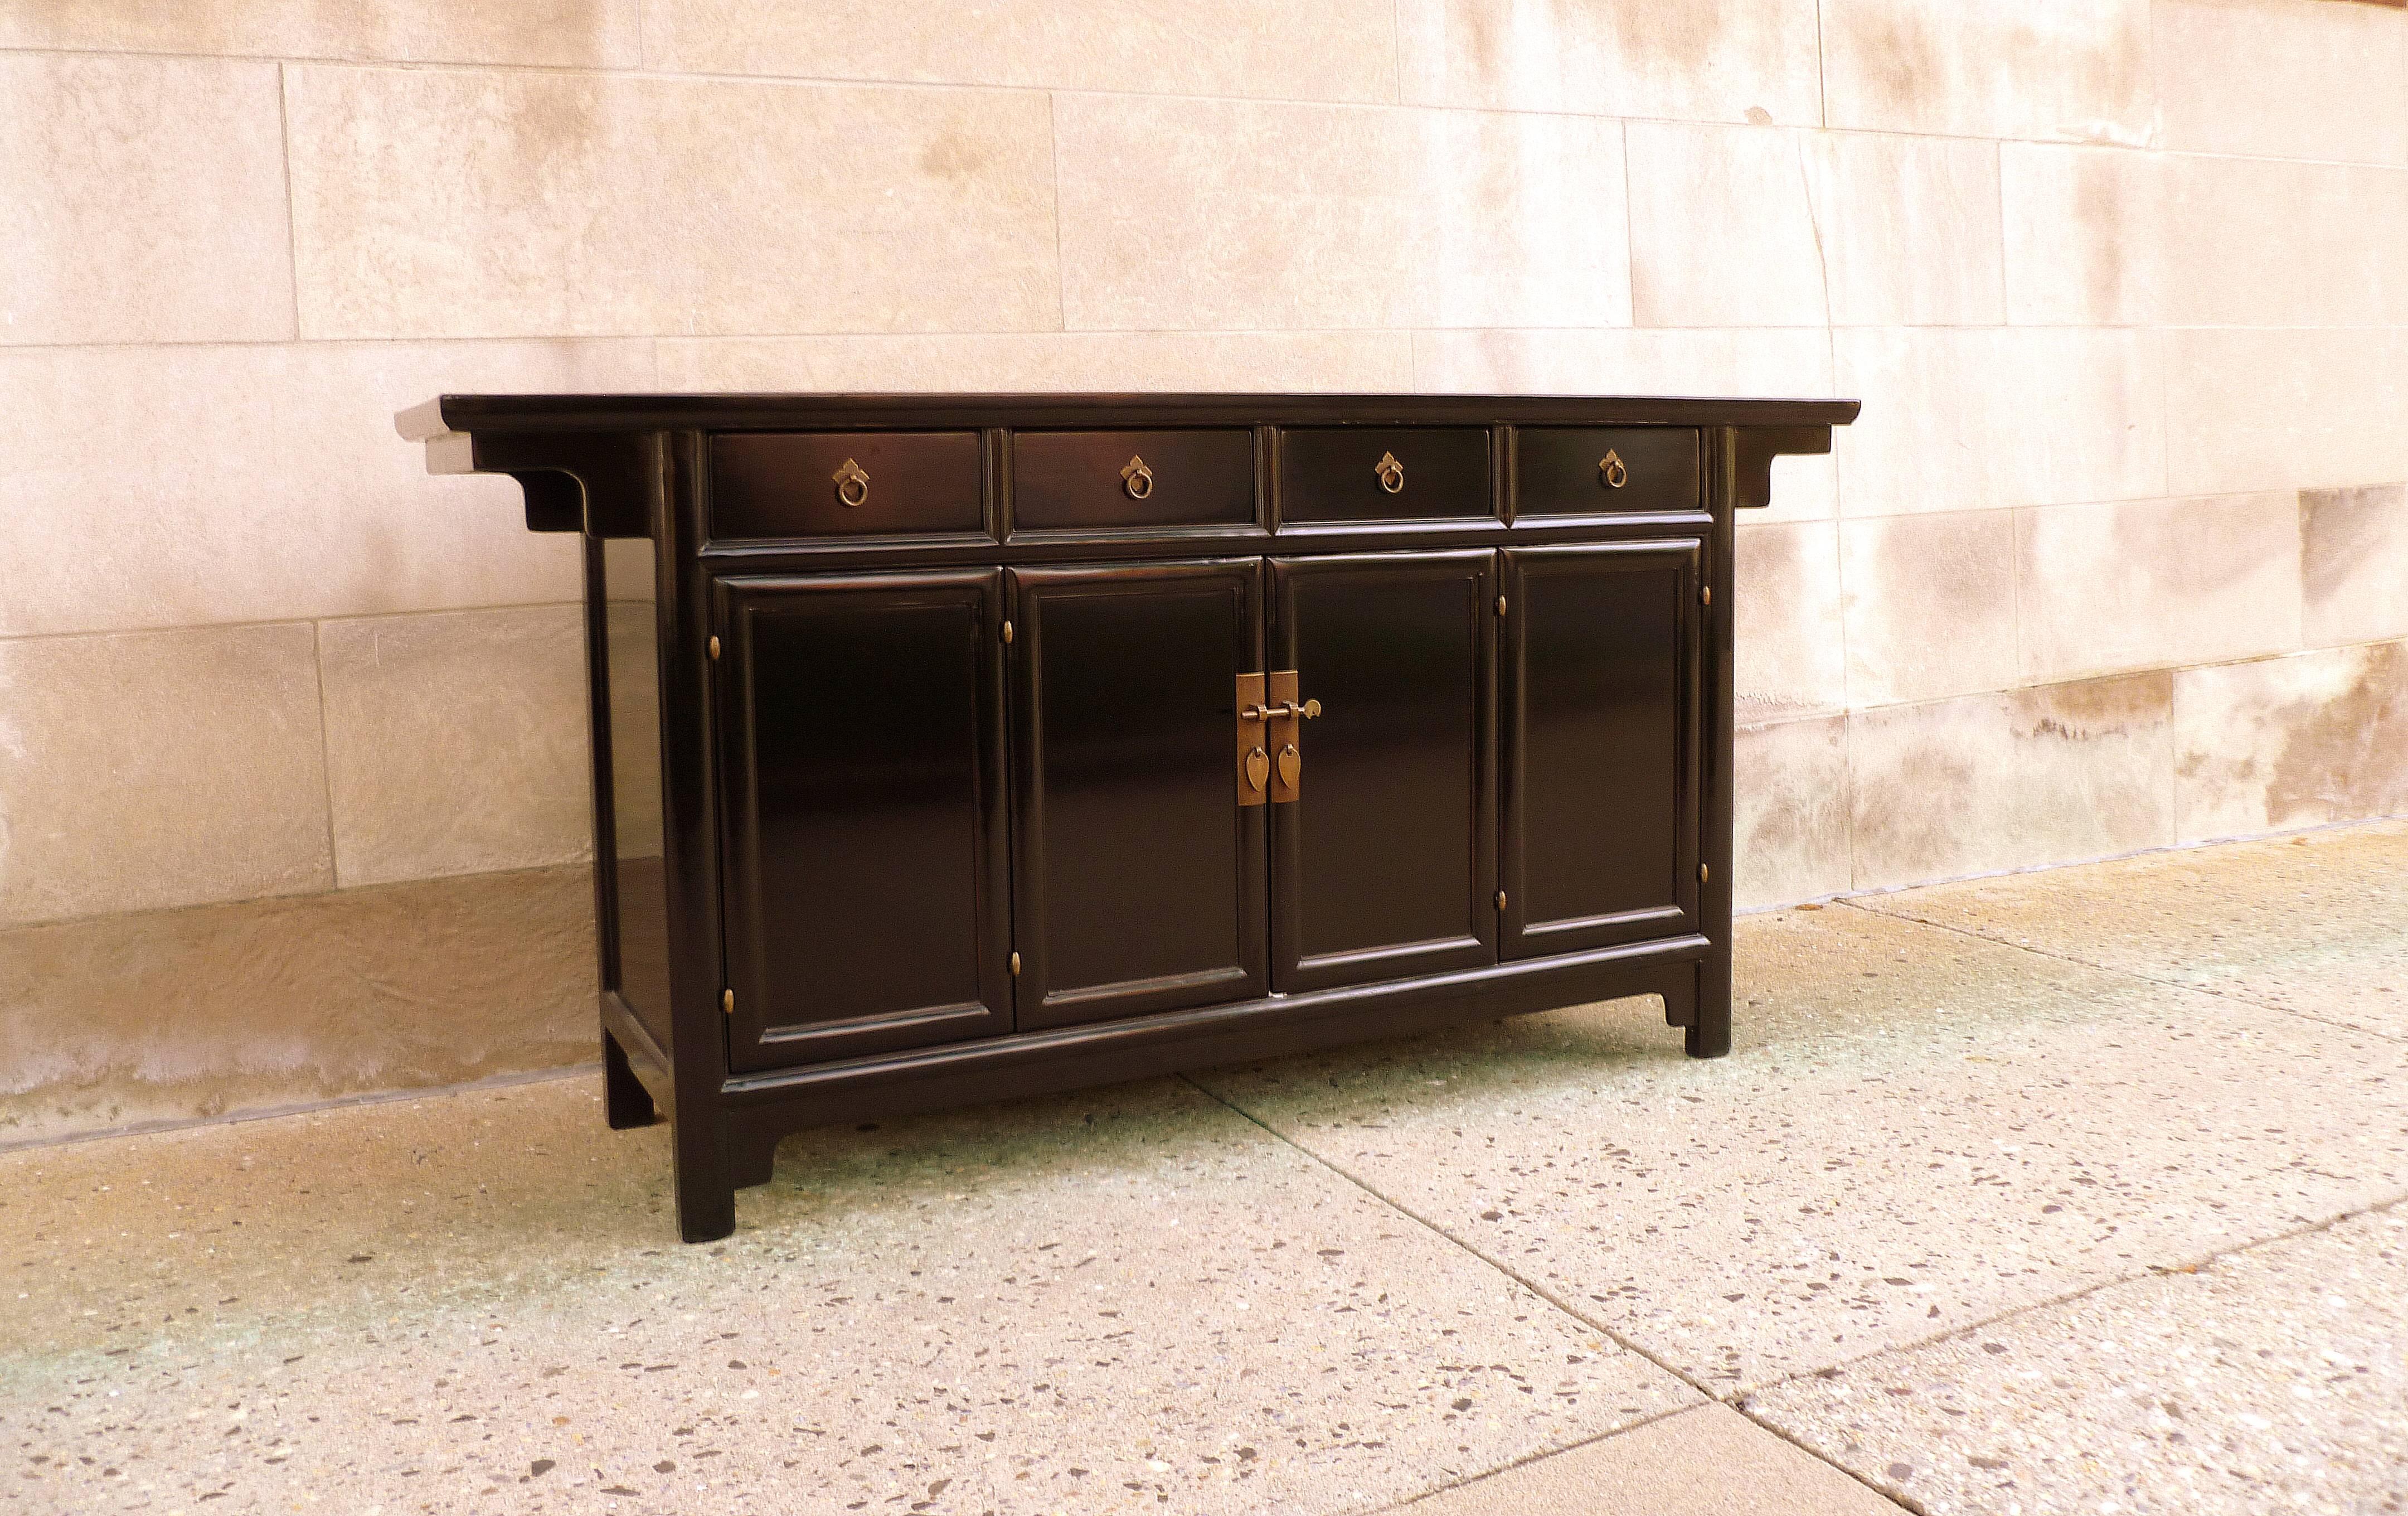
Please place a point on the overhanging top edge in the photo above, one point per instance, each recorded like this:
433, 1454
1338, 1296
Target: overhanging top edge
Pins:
742, 411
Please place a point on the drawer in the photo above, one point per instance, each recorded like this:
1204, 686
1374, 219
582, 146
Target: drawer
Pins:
1572, 470
1383, 473
1071, 481
844, 483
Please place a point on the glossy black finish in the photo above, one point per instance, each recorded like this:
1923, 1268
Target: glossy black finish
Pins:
1386, 866
625, 609
763, 1109
1332, 473
558, 418
1599, 684
786, 485
868, 901
1560, 470
1139, 881
1178, 961
1074, 481
699, 1054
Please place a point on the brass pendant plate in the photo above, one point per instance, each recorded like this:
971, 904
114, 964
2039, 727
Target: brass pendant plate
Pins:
1287, 770
1253, 759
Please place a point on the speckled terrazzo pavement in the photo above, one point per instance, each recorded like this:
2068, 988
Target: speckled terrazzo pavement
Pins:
2275, 1379
2314, 923
1137, 1301
1986, 1212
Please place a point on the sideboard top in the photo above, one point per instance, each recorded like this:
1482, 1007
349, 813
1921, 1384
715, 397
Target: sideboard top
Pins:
470, 413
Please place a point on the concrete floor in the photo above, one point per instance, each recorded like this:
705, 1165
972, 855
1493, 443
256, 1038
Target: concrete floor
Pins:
2065, 1191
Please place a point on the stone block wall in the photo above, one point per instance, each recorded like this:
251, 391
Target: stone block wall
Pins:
292, 793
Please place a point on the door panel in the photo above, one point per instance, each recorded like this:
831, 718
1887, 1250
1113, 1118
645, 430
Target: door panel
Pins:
1385, 864
863, 766
1138, 877
1599, 673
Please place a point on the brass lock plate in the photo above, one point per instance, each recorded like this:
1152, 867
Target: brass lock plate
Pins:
1271, 764
1282, 737
1254, 757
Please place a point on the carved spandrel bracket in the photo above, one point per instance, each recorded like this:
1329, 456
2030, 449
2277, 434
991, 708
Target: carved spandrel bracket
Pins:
599, 482
1755, 449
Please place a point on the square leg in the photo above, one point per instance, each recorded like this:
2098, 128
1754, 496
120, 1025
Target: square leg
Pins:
1709, 1033
706, 1188
626, 1102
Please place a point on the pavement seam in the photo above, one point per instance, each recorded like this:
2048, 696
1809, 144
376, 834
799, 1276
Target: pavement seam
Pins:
2200, 1265
2119, 968
1733, 1399
1467, 1481
2196, 1264
168, 1126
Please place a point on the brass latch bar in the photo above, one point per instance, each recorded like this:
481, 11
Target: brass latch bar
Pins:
1309, 711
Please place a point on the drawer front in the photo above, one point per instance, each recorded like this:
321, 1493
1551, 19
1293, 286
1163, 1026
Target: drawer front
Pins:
1574, 471
1383, 473
844, 483
1075, 480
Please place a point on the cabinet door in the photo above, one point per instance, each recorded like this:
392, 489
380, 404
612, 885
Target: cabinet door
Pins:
862, 763
1138, 878
1386, 862
1599, 672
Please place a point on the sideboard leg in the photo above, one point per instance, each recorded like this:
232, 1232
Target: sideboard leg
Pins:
1709, 1033
626, 1102
706, 1188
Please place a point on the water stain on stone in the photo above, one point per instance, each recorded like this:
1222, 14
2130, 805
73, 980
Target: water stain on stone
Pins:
954, 156
1910, 821
2199, 547
1914, 73
2102, 221
1663, 42
2344, 532
2091, 710
2348, 759
1794, 821
1904, 61
555, 121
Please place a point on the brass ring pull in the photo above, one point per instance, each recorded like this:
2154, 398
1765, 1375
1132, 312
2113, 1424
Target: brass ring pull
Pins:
851, 484
1391, 472
1290, 765
1136, 478
1258, 771
1610, 467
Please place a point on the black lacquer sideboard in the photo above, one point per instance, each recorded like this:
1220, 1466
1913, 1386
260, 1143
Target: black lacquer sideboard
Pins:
948, 748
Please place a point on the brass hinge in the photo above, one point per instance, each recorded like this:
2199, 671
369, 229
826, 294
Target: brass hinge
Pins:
714, 650
1706, 595
1500, 605
727, 1003
1703, 874
1500, 900
1007, 633
1015, 965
